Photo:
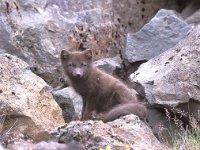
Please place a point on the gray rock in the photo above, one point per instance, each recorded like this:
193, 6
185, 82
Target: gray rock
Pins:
164, 31
5, 34
127, 132
25, 103
194, 18
110, 65
70, 103
172, 79
44, 146
190, 8
162, 125
2, 148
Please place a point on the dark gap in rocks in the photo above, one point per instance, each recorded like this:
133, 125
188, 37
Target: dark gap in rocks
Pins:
166, 63
181, 112
8, 57
16, 6
81, 28
81, 47
143, 9
171, 58
143, 1
130, 23
34, 69
81, 35
7, 7
118, 19
132, 67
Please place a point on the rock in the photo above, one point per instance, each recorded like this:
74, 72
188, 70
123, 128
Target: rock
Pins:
127, 131
36, 31
164, 31
44, 146
173, 78
194, 18
39, 40
109, 65
162, 125
25, 103
131, 15
39, 146
5, 34
190, 8
1, 147
70, 103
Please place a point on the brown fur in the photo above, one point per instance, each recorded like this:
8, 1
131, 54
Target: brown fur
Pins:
103, 95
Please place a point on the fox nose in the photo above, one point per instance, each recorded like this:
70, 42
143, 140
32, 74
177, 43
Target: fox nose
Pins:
78, 75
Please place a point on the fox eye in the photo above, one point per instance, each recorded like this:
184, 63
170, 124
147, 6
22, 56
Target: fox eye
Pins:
70, 64
84, 64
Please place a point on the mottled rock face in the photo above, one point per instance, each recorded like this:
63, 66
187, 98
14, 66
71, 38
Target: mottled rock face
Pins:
190, 8
128, 131
133, 14
173, 78
25, 102
37, 30
164, 31
194, 18
44, 146
109, 65
70, 103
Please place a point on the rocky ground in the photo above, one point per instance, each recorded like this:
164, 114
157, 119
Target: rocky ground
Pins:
153, 45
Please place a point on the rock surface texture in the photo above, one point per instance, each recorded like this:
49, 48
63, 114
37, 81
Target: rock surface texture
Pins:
126, 132
25, 103
194, 18
70, 103
37, 30
163, 31
109, 65
173, 78
44, 146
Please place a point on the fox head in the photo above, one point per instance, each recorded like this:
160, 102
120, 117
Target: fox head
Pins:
76, 64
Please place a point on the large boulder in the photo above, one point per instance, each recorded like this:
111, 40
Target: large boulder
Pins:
37, 30
163, 31
172, 79
127, 132
25, 103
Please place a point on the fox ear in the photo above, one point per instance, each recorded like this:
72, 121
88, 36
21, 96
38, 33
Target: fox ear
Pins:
65, 54
88, 54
